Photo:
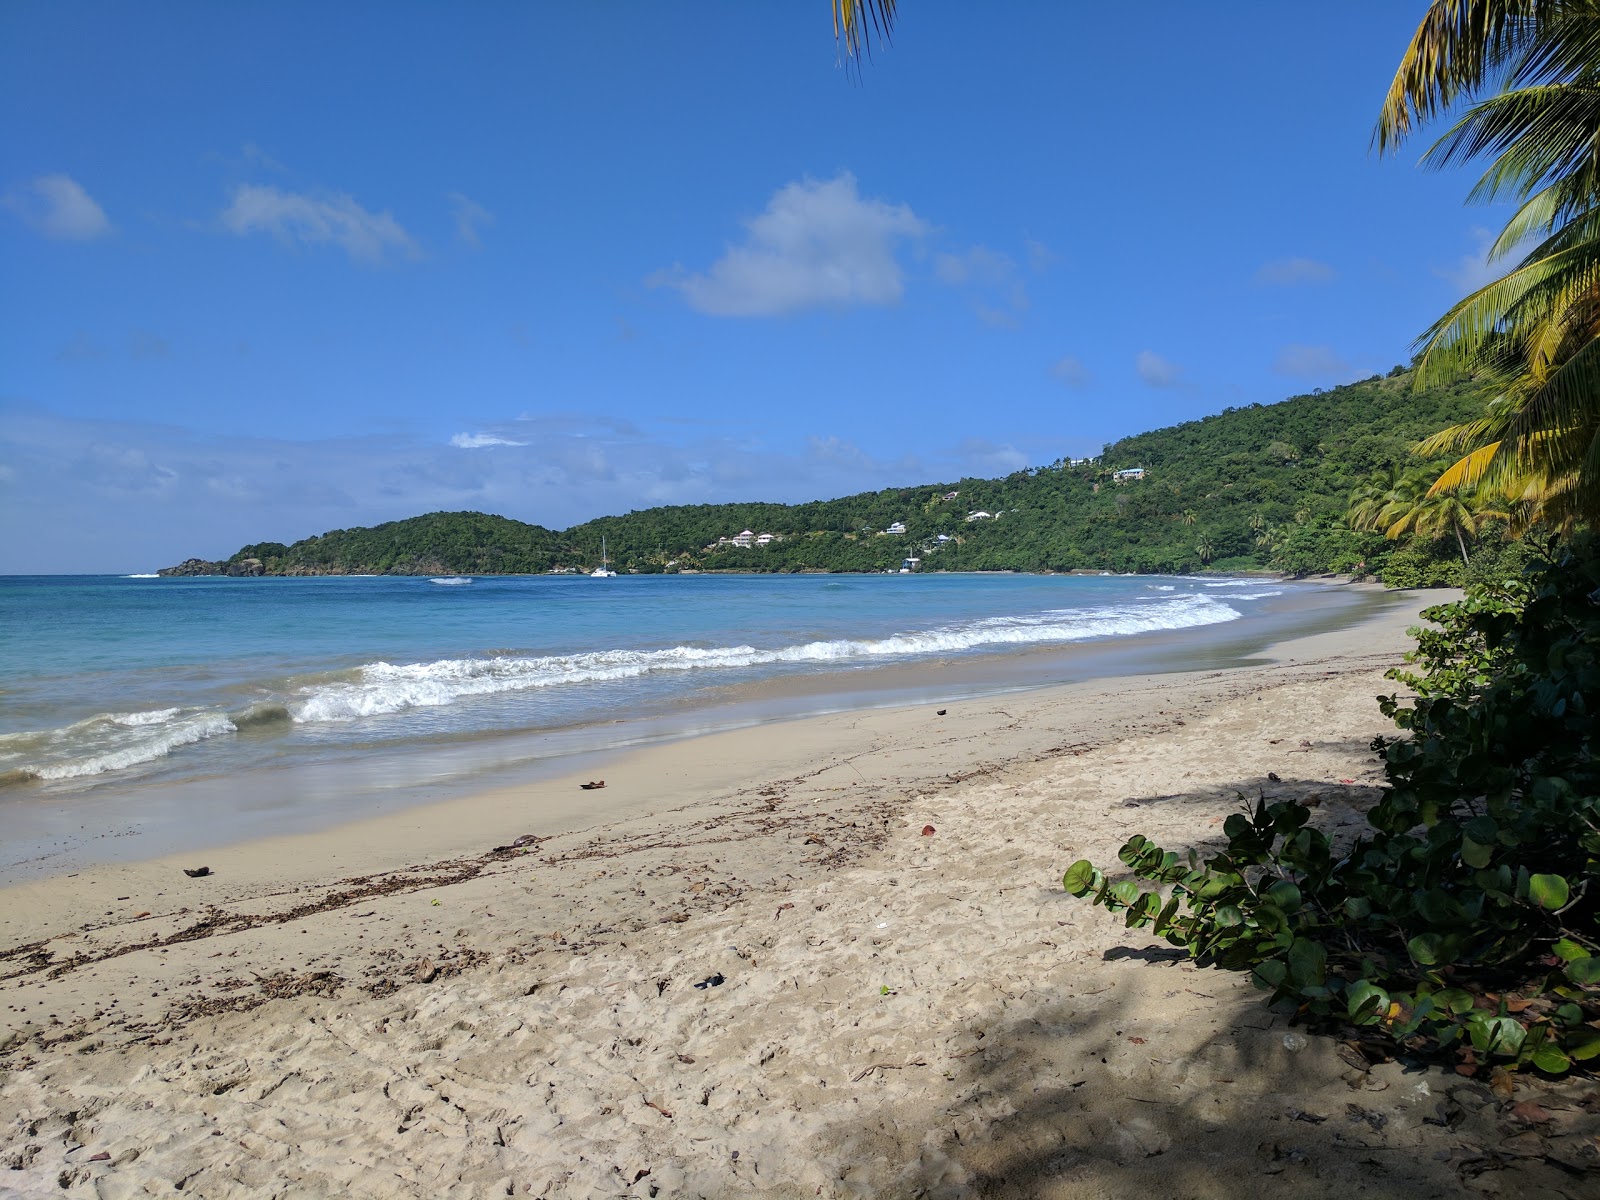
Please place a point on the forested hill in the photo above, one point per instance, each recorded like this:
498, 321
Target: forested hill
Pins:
1261, 486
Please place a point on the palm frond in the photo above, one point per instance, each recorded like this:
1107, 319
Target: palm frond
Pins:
855, 22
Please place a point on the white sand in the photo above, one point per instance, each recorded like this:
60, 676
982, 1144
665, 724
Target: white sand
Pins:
393, 1009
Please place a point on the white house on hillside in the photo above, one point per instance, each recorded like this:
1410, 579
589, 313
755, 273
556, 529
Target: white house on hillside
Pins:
744, 539
980, 515
1128, 473
897, 527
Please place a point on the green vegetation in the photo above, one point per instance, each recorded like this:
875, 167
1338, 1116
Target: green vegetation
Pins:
436, 544
1261, 487
1464, 920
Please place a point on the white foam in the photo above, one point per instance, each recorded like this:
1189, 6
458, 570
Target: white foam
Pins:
452, 581
107, 742
153, 717
151, 575
388, 688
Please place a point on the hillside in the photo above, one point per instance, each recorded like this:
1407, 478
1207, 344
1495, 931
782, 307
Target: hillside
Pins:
1256, 487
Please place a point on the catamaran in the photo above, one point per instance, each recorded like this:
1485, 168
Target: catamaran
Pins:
603, 571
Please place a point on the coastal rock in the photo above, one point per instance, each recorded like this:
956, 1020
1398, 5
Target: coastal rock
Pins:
193, 566
200, 566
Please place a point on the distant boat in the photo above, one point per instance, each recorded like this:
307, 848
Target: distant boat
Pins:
603, 571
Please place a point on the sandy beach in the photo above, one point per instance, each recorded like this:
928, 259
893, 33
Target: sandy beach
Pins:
823, 957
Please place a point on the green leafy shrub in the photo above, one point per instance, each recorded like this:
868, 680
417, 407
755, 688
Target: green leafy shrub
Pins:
1463, 920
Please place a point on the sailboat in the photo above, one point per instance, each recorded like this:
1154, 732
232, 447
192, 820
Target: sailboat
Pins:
603, 571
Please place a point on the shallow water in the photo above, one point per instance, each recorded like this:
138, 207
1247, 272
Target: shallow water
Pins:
122, 694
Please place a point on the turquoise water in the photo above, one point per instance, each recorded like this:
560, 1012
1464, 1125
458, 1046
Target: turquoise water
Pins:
114, 681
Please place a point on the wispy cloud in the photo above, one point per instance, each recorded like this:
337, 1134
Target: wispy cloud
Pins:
981, 456
1000, 296
1157, 371
477, 441
1474, 270
470, 217
56, 206
297, 218
1313, 362
1040, 257
819, 244
1071, 371
134, 496
1286, 272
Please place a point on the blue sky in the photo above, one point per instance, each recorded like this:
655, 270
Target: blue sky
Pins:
272, 269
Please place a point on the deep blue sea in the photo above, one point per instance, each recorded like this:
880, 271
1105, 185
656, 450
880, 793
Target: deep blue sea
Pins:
129, 682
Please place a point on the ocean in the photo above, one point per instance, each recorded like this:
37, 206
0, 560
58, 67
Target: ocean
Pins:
282, 703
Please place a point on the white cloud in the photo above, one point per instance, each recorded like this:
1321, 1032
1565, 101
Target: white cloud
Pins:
292, 217
470, 216
1285, 272
1157, 371
477, 441
1040, 257
817, 245
991, 275
1473, 271
58, 207
990, 457
1071, 371
1309, 361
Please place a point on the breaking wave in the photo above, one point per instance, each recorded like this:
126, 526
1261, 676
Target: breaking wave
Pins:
386, 688
116, 741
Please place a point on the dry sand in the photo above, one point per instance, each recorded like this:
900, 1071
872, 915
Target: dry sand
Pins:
497, 996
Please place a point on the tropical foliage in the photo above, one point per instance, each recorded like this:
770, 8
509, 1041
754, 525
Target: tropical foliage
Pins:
1400, 502
1463, 921
1523, 79
1266, 486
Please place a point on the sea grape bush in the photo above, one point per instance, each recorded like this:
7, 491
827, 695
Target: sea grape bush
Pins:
1463, 919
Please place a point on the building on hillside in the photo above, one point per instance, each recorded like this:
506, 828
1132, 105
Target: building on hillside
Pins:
951, 495
744, 539
980, 515
909, 565
897, 527
766, 539
1128, 473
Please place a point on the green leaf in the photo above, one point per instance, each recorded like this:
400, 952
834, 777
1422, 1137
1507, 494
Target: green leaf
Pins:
1475, 854
1584, 970
1549, 892
1495, 1035
1583, 1044
1285, 895
1228, 915
1365, 1003
1358, 908
1566, 948
1552, 1058
1427, 948
1164, 917
1079, 879
1126, 892
1308, 961
1270, 974
1439, 907
1454, 999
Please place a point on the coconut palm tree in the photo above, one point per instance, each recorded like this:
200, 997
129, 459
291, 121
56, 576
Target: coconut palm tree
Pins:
1529, 71
1406, 503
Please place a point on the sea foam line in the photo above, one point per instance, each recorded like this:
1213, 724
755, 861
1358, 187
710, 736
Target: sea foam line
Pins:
388, 688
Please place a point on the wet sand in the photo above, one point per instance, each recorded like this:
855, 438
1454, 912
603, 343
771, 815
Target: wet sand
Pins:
497, 995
